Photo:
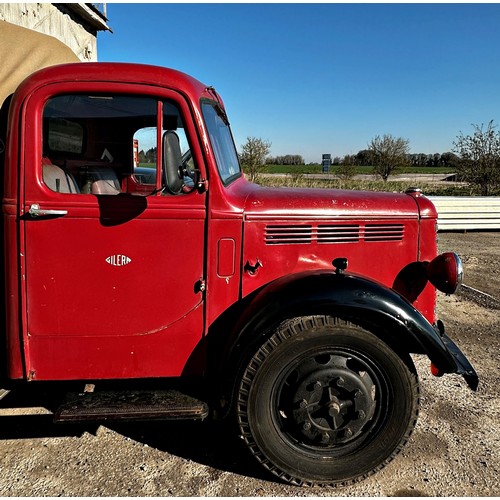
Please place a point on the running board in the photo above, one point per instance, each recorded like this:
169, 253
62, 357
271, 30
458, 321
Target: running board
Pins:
130, 405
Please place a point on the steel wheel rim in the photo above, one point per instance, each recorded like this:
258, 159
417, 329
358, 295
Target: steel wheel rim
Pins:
330, 401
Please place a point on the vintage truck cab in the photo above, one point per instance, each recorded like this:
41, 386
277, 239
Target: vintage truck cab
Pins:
138, 255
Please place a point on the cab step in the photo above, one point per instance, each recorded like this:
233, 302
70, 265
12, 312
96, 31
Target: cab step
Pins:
130, 405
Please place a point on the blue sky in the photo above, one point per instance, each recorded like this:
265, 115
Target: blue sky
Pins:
327, 78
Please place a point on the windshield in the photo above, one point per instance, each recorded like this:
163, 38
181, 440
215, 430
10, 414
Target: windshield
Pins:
222, 143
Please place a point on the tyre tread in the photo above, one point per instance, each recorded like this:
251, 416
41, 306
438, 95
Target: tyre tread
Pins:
286, 330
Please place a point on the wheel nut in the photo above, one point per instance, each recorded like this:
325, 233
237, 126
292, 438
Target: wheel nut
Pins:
303, 403
340, 381
317, 385
361, 414
306, 426
347, 432
333, 409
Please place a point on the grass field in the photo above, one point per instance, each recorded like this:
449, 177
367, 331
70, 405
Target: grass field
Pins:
429, 189
317, 169
295, 178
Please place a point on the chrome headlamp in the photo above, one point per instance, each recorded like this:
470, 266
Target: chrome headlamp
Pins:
446, 272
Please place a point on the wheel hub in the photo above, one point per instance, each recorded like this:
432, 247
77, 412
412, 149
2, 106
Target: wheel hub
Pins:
332, 399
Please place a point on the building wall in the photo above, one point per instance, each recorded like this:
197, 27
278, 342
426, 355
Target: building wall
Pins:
56, 20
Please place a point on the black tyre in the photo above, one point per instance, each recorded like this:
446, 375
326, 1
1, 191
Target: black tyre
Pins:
324, 402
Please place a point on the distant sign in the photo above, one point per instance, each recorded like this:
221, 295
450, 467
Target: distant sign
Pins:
326, 162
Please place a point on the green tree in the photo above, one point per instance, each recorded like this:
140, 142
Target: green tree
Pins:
347, 168
480, 157
253, 156
388, 154
450, 159
364, 158
285, 160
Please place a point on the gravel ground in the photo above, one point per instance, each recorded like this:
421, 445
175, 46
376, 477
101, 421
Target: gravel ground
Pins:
454, 450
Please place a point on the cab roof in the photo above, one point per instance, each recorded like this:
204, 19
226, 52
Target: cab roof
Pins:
118, 73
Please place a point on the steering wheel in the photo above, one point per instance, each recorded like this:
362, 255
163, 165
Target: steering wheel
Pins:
187, 173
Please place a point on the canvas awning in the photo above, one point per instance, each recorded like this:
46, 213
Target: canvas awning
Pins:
24, 51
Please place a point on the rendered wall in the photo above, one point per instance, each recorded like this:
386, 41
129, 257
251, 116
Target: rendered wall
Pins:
79, 32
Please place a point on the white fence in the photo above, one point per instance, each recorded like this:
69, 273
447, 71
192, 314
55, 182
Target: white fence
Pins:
467, 212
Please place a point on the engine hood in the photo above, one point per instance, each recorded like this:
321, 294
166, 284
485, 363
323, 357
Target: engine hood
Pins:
299, 203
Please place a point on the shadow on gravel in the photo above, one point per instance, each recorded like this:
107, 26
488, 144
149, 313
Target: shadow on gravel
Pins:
477, 296
40, 426
210, 443
207, 443
213, 444
409, 493
26, 425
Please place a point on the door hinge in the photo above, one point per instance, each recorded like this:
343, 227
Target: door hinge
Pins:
200, 286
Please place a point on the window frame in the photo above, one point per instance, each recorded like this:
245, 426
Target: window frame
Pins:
163, 99
214, 104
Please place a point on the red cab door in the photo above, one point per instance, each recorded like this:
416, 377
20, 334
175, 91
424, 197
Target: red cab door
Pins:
112, 263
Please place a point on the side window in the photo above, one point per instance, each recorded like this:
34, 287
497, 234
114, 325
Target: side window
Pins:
106, 144
145, 155
146, 151
65, 135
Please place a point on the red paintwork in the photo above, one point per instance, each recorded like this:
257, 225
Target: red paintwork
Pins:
318, 208
70, 315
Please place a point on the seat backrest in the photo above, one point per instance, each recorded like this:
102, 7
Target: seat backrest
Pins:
172, 158
105, 181
59, 180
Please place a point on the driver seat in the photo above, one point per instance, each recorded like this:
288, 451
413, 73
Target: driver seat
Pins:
172, 159
105, 181
58, 179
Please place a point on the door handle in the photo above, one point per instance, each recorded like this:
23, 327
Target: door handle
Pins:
36, 211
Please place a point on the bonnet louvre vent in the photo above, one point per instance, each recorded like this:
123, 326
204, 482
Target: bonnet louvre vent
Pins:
384, 232
332, 234
338, 234
282, 235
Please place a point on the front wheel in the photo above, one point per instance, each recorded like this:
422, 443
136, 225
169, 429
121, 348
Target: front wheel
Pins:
324, 402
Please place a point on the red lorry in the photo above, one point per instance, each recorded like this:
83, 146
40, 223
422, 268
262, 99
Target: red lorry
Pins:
143, 270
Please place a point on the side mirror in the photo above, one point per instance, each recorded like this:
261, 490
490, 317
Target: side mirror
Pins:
172, 160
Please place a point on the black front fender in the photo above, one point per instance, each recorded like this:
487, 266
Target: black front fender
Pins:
354, 298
